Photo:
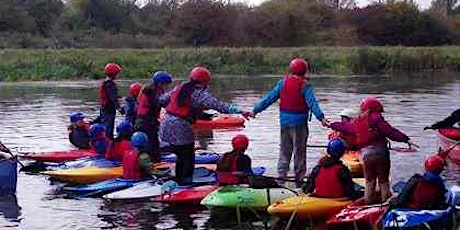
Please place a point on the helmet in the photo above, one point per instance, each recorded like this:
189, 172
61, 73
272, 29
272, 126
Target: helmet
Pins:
336, 148
350, 113
161, 77
76, 116
201, 75
139, 140
240, 142
124, 127
298, 66
112, 68
135, 89
95, 130
434, 164
372, 104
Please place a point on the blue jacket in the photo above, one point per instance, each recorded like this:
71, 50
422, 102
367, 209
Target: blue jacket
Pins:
288, 119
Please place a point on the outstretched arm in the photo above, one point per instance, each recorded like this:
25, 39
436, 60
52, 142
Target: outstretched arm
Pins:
310, 98
269, 98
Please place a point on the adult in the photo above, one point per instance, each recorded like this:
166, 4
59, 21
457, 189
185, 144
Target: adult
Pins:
297, 99
108, 98
183, 103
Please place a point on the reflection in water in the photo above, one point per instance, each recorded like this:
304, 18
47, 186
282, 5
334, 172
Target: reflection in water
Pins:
34, 116
9, 210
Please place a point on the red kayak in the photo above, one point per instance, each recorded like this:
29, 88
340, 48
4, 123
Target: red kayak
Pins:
358, 215
449, 138
187, 196
60, 156
220, 122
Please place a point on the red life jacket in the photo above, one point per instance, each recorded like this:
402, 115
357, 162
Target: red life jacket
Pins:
328, 183
291, 97
226, 166
425, 194
117, 150
365, 132
175, 109
148, 103
131, 168
103, 97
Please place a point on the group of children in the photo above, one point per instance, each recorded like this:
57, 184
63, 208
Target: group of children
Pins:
366, 131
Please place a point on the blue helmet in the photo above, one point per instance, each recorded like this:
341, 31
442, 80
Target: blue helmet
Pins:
336, 148
124, 127
161, 77
139, 140
76, 116
95, 130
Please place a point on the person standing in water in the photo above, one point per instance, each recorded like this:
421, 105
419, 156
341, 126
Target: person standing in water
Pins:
297, 99
108, 98
183, 103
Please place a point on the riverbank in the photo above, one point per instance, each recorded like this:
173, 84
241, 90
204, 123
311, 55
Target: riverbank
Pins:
23, 65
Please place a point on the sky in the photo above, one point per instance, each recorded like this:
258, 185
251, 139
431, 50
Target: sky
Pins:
423, 4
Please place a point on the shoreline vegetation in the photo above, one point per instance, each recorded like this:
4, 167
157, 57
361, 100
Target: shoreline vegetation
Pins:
66, 64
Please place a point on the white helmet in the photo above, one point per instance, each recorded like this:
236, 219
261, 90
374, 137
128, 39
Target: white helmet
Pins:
350, 113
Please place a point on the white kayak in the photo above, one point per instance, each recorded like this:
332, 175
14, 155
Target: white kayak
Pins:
142, 190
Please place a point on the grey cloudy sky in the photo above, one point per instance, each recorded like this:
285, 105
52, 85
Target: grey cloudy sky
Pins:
423, 4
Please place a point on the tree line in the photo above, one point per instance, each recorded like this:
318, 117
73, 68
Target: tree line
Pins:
184, 23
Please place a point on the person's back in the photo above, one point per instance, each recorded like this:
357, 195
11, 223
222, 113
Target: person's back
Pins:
136, 163
122, 143
235, 166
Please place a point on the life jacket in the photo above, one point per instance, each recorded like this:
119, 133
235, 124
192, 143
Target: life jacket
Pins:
365, 130
226, 166
104, 98
131, 168
175, 109
426, 195
291, 97
117, 150
79, 137
328, 183
148, 103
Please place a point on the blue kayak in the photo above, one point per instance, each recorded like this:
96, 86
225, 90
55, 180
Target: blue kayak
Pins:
98, 162
201, 157
8, 176
101, 188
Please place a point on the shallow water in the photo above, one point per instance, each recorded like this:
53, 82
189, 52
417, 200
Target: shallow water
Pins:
34, 117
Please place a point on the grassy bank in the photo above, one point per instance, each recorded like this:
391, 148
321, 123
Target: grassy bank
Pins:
16, 65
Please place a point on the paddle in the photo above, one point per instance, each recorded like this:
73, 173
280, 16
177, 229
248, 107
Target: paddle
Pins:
7, 150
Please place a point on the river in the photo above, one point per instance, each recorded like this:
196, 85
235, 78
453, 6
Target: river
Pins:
34, 117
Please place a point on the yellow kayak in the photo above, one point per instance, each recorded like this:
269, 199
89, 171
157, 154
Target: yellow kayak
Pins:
351, 160
309, 208
90, 175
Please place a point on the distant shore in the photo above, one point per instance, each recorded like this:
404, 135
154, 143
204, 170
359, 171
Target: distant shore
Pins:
65, 64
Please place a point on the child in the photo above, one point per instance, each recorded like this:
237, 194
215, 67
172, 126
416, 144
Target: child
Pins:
331, 178
122, 143
297, 100
131, 102
235, 166
98, 140
424, 192
108, 97
136, 163
347, 116
78, 131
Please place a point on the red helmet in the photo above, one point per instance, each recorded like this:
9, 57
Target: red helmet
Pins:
434, 164
372, 104
201, 75
135, 89
240, 142
298, 66
112, 68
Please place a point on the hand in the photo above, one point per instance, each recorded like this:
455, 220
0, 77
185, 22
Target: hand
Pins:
325, 122
248, 115
412, 144
428, 127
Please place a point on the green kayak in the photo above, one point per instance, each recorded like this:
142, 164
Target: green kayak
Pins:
245, 197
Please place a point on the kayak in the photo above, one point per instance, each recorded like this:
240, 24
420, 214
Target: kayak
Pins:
83, 162
8, 176
192, 195
220, 122
60, 156
141, 190
245, 197
90, 175
447, 143
351, 160
365, 216
307, 207
101, 188
201, 157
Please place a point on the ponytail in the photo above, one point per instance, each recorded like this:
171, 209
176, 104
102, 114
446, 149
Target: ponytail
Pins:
185, 92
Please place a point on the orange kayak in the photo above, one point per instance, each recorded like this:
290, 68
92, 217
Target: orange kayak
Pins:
220, 122
351, 160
